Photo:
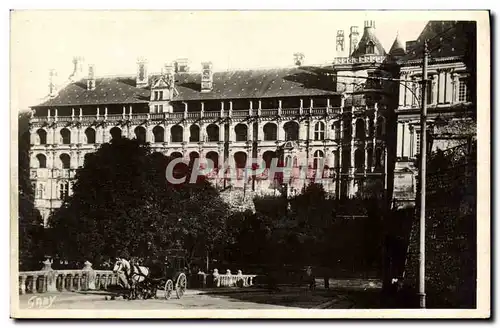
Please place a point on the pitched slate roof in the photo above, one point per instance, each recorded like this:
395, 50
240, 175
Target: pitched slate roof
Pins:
262, 83
446, 39
397, 48
369, 36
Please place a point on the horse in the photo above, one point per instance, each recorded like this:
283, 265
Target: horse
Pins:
134, 274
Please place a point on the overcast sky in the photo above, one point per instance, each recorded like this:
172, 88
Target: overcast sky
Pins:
112, 41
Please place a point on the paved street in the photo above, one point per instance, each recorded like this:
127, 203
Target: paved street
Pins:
193, 299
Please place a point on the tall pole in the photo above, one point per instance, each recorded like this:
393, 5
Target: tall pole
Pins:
423, 150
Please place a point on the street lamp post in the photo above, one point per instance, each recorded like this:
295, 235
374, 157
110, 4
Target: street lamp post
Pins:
423, 156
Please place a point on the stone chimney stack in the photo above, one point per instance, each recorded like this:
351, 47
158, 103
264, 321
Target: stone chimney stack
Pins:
340, 43
77, 69
181, 65
141, 79
353, 39
207, 77
52, 84
91, 78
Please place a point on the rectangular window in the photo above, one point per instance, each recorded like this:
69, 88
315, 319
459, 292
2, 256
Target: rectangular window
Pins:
156, 109
160, 95
417, 142
429, 92
160, 109
463, 90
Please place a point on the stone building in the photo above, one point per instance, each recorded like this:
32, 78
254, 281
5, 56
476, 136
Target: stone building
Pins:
450, 98
343, 117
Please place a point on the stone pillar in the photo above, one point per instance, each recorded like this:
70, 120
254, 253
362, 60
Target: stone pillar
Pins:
149, 133
221, 132
280, 135
185, 132
250, 132
449, 87
402, 90
50, 275
90, 274
441, 87
455, 85
231, 132
166, 129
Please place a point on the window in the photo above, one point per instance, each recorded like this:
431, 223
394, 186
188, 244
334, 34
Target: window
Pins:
429, 92
42, 137
463, 90
370, 48
158, 95
360, 129
194, 133
65, 161
417, 142
90, 135
213, 133
63, 190
291, 131
319, 131
159, 134
270, 132
241, 132
42, 161
176, 133
65, 136
40, 191
318, 157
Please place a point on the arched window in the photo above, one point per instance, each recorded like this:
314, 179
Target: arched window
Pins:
318, 158
42, 161
176, 154
194, 133
42, 136
360, 129
270, 132
192, 157
291, 131
240, 160
90, 135
359, 159
65, 136
116, 133
65, 161
380, 126
176, 133
159, 134
268, 157
140, 134
63, 190
212, 133
40, 191
319, 131
241, 131
288, 161
214, 157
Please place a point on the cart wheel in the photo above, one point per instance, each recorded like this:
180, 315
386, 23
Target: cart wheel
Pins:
180, 287
169, 287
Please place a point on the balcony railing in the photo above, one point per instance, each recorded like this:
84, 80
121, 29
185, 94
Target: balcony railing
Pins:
192, 115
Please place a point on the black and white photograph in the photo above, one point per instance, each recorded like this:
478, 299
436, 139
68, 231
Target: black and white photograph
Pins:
250, 164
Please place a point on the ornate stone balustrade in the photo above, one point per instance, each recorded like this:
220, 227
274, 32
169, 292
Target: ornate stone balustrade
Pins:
230, 280
50, 280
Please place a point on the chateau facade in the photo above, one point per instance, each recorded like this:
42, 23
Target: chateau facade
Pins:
348, 116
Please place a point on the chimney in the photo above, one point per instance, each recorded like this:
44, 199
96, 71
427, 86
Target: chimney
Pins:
409, 45
52, 85
340, 43
298, 58
207, 77
353, 39
181, 65
369, 24
141, 79
77, 69
91, 78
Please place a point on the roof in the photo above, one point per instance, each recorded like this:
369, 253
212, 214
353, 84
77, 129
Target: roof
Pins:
445, 39
262, 83
397, 48
369, 36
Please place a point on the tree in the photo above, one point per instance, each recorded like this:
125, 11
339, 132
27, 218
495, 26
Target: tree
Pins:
122, 204
29, 220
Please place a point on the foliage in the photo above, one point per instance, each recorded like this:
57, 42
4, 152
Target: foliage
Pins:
30, 222
123, 205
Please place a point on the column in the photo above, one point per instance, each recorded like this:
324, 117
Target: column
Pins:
149, 133
399, 141
408, 93
250, 132
250, 108
434, 89
166, 129
455, 84
231, 132
353, 135
130, 111
441, 87
449, 86
280, 135
221, 132
301, 106
124, 111
279, 107
97, 113
402, 90
185, 131
366, 157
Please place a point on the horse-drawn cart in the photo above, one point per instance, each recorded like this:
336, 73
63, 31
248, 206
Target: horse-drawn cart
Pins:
144, 281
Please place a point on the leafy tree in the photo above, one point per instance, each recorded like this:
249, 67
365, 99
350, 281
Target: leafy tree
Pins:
30, 222
123, 204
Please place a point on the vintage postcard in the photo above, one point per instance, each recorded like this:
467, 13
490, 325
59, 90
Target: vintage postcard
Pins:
250, 164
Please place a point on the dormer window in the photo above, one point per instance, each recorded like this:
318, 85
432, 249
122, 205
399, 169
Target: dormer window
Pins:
158, 95
370, 48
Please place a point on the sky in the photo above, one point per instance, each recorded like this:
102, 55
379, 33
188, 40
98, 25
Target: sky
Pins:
113, 40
